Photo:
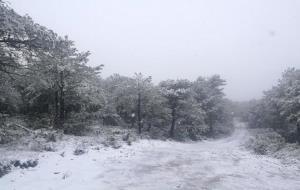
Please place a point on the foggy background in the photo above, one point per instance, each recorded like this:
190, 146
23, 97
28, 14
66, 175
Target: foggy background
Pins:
249, 43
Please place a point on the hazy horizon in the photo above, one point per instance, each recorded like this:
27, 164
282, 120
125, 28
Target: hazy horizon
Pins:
248, 43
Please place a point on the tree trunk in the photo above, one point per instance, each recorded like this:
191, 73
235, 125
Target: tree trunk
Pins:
56, 114
210, 124
62, 100
132, 120
62, 105
149, 127
298, 133
173, 122
139, 113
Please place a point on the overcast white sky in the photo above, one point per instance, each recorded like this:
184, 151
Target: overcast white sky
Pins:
248, 42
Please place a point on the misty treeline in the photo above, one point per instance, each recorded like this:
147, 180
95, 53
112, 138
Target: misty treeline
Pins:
43, 76
279, 109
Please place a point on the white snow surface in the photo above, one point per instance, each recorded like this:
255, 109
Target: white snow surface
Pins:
158, 165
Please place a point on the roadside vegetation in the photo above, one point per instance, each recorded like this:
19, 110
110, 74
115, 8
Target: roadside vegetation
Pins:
274, 120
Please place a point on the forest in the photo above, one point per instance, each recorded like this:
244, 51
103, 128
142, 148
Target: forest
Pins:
46, 79
47, 84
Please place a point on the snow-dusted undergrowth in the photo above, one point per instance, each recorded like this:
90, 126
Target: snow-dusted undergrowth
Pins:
157, 165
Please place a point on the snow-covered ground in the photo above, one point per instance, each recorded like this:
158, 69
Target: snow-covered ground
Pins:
158, 165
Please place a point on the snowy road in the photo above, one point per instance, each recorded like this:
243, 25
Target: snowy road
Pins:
156, 165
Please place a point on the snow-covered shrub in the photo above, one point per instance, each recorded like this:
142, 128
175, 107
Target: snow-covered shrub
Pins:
4, 169
78, 129
265, 141
78, 123
9, 134
48, 135
223, 129
112, 119
160, 133
79, 151
289, 153
40, 145
51, 137
49, 148
4, 137
181, 133
127, 138
24, 165
40, 122
112, 142
289, 132
188, 132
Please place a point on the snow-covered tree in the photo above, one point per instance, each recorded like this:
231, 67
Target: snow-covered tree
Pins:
20, 37
177, 93
208, 93
133, 98
280, 107
64, 75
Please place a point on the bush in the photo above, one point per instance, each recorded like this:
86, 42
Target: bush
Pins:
4, 169
27, 164
79, 151
4, 136
160, 133
9, 134
224, 129
188, 132
289, 132
39, 145
39, 122
77, 129
265, 141
78, 123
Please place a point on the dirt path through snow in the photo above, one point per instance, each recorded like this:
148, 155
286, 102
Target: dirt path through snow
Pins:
156, 165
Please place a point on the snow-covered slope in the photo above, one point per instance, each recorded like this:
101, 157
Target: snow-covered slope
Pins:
158, 165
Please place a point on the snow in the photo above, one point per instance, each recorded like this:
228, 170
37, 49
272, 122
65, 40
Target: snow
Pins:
151, 165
